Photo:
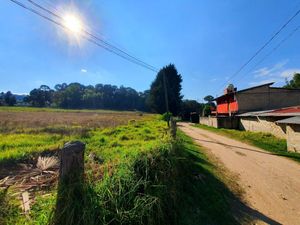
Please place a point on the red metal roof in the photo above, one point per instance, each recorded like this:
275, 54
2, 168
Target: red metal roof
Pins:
295, 109
289, 111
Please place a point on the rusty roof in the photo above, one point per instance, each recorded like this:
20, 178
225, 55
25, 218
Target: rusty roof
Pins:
282, 112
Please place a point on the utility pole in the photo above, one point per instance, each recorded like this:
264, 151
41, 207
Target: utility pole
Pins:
166, 91
166, 96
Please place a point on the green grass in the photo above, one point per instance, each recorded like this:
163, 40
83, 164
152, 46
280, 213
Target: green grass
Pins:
16, 147
261, 140
145, 178
126, 189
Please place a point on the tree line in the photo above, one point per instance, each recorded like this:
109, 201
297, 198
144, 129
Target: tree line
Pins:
7, 99
79, 96
166, 88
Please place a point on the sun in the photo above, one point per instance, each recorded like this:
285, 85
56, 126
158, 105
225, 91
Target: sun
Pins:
73, 24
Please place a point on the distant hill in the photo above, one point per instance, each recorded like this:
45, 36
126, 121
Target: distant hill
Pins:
20, 97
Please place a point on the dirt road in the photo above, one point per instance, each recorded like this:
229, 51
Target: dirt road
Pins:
271, 183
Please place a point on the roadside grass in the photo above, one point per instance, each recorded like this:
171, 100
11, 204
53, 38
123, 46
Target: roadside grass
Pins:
261, 140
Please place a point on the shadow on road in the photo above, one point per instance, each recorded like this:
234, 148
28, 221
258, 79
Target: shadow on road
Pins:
206, 198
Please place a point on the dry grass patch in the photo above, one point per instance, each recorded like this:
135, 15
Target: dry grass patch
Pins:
12, 121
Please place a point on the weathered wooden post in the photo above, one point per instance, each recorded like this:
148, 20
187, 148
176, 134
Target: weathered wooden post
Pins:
173, 128
70, 193
72, 161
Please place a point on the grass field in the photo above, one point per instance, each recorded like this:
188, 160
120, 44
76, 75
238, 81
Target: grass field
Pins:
265, 141
139, 174
34, 130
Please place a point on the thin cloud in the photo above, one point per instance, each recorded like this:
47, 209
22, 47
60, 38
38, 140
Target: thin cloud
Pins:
266, 71
83, 71
277, 73
288, 73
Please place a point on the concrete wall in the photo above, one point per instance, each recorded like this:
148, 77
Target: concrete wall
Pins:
280, 97
264, 98
253, 100
221, 122
293, 137
263, 124
209, 121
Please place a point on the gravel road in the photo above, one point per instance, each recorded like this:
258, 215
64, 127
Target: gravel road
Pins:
271, 183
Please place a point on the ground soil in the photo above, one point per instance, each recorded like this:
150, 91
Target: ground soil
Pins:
271, 183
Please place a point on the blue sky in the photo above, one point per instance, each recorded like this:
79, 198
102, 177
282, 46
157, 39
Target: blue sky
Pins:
206, 40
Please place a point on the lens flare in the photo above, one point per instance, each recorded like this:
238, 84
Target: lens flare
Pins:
73, 24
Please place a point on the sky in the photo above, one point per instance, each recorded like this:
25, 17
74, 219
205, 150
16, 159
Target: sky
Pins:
208, 41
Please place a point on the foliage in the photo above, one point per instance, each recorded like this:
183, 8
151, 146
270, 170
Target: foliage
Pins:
40, 97
166, 116
7, 208
293, 83
209, 98
265, 141
2, 99
173, 80
189, 106
7, 99
207, 110
78, 96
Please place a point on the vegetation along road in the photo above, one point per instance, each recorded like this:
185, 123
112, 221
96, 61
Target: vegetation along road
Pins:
271, 183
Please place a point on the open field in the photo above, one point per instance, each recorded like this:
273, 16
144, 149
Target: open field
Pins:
137, 173
36, 109
265, 141
119, 142
35, 130
15, 118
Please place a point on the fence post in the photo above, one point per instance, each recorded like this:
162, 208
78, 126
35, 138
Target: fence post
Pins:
72, 161
173, 128
70, 193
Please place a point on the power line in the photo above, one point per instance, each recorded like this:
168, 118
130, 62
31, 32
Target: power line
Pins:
262, 47
87, 35
92, 35
275, 48
272, 50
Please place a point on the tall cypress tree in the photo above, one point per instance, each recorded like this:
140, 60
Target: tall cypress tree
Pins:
173, 81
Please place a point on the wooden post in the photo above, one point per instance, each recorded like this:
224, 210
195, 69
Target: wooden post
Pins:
72, 161
70, 193
173, 127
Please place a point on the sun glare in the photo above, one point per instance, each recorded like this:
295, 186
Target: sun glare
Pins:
73, 23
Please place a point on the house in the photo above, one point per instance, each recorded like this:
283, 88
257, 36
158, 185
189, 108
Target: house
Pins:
258, 98
260, 109
267, 121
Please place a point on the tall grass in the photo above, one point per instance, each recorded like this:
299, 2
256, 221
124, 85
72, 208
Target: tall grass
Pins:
126, 187
139, 175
